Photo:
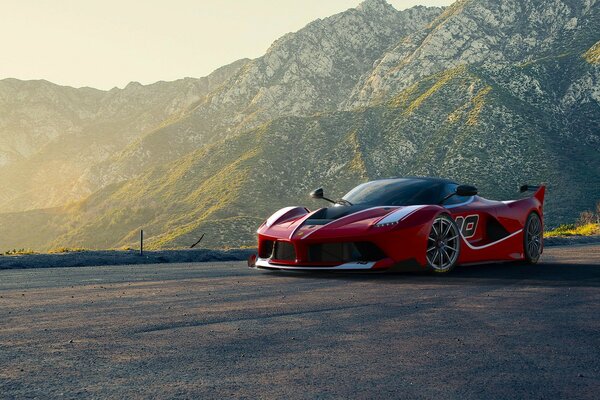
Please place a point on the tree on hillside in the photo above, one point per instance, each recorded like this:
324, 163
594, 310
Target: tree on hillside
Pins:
585, 218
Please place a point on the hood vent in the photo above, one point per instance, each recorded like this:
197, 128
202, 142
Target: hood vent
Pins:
326, 215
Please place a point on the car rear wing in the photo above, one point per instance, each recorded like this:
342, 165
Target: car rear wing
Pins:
539, 191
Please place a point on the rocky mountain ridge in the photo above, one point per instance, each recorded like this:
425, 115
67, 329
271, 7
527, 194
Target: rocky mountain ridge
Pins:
514, 32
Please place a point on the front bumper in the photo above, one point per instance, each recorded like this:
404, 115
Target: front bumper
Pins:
265, 263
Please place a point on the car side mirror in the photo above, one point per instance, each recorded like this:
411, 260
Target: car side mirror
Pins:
466, 190
317, 194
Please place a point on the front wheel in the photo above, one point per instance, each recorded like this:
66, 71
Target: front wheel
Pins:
443, 244
532, 238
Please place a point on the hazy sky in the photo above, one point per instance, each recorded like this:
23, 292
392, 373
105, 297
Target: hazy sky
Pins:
107, 43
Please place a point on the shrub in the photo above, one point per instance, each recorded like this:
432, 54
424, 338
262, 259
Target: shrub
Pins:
66, 250
15, 252
585, 218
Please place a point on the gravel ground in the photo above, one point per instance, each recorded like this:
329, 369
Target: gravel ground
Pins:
571, 240
215, 330
118, 257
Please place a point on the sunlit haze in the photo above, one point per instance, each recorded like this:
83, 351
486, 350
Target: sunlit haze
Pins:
109, 43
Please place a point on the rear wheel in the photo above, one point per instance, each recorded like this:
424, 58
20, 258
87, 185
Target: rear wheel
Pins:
443, 244
532, 238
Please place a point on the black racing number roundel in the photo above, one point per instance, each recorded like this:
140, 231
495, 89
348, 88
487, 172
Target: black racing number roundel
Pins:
467, 225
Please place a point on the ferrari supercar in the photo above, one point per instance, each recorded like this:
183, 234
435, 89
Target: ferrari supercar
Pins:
403, 224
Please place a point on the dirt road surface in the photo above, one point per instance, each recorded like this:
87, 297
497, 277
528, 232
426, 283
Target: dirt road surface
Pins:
220, 330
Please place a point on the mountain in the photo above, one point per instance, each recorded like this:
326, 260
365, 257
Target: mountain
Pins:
127, 131
488, 32
312, 70
525, 110
50, 134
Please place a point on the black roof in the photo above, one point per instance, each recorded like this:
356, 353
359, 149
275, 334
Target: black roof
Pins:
417, 178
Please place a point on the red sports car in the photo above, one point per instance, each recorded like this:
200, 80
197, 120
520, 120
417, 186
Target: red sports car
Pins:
403, 224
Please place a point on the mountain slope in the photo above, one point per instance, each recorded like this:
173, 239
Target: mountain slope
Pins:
49, 134
312, 70
458, 124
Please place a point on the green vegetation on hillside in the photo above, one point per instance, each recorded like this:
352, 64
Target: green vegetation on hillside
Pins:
593, 54
574, 230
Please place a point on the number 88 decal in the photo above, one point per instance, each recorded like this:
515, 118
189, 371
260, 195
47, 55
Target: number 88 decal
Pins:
467, 225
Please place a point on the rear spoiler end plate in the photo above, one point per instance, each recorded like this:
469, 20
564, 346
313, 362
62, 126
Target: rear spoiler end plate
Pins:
539, 190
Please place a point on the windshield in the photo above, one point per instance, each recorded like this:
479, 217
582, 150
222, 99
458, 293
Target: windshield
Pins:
396, 192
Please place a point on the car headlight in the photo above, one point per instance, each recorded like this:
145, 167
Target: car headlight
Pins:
396, 216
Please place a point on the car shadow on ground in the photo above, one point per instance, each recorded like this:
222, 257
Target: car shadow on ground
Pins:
543, 274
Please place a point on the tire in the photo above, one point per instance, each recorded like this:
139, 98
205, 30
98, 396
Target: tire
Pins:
443, 245
533, 242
